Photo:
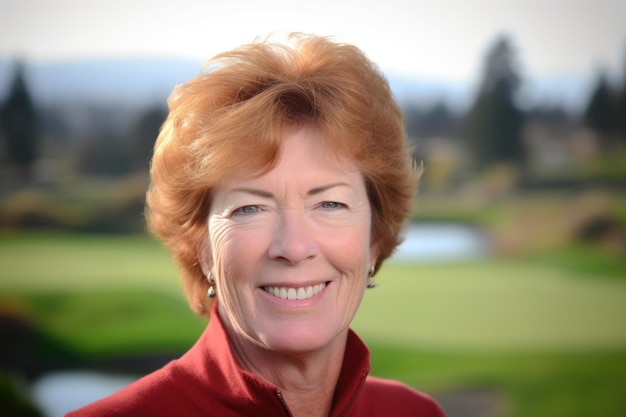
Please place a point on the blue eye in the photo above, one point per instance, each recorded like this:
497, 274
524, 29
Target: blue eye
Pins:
331, 205
248, 210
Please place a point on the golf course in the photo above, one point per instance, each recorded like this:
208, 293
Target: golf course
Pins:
491, 337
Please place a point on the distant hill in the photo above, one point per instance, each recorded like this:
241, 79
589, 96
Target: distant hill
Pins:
137, 81
148, 81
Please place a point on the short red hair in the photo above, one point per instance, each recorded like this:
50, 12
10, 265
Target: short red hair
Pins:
234, 115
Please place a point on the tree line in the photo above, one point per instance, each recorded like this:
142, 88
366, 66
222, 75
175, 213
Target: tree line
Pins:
492, 128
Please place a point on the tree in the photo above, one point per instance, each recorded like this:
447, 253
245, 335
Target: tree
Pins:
18, 119
433, 121
495, 121
144, 134
104, 155
620, 111
600, 111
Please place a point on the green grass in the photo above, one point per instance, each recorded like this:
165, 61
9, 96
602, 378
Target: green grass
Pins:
546, 335
528, 384
111, 322
97, 294
494, 306
38, 263
589, 260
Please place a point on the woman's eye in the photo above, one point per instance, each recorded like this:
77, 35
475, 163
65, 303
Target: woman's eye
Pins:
248, 210
331, 205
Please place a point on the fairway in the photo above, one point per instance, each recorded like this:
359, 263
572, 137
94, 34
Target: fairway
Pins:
485, 306
72, 262
493, 306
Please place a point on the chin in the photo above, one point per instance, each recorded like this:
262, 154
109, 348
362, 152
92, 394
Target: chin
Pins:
300, 338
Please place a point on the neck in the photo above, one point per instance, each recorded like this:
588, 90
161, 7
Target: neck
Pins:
307, 380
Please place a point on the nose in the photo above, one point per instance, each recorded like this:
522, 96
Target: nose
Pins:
293, 241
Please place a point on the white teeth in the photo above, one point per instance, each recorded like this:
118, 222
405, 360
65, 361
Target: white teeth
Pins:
289, 293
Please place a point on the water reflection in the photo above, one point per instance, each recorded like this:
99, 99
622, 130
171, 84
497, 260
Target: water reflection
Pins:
442, 242
59, 392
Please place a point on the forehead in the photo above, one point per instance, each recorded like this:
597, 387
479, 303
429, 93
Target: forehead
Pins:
304, 152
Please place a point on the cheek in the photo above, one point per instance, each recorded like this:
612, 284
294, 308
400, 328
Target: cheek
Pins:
349, 248
222, 252
236, 250
218, 236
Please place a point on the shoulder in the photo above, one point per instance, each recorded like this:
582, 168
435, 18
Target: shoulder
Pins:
397, 399
146, 396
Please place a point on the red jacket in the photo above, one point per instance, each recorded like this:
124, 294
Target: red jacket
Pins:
207, 381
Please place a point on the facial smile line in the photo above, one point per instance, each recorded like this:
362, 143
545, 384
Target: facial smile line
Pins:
290, 293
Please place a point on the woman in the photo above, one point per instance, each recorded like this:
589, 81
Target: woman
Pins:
281, 181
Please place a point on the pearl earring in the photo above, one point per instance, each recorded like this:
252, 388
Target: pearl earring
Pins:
211, 292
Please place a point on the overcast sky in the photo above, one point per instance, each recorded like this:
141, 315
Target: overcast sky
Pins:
441, 38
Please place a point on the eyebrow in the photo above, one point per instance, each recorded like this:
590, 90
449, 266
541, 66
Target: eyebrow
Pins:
253, 191
323, 188
267, 194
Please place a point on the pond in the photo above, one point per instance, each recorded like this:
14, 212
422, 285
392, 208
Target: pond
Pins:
63, 391
442, 242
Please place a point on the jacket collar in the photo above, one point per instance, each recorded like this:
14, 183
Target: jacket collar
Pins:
213, 363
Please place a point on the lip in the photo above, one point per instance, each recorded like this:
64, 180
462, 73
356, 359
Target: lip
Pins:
281, 302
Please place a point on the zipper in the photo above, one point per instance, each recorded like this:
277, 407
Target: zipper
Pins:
353, 398
282, 401
345, 409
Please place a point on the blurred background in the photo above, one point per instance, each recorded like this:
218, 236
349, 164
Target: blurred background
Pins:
508, 297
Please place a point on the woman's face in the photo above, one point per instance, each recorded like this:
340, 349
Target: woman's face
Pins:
291, 249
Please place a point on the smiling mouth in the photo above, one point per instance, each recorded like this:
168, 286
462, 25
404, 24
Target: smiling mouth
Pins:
290, 293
